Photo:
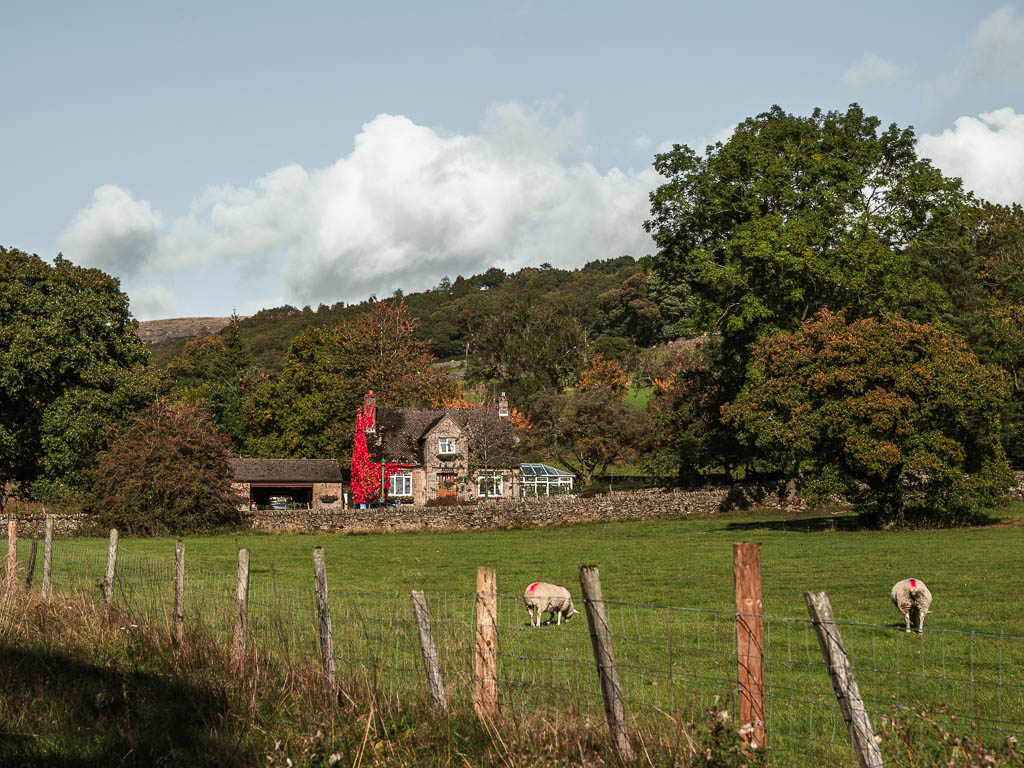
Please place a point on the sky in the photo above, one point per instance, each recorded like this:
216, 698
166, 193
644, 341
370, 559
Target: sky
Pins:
230, 156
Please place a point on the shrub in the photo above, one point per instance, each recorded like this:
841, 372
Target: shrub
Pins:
166, 473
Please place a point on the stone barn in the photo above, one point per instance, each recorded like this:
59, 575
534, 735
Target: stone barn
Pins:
288, 483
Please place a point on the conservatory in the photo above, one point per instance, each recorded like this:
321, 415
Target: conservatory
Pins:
542, 480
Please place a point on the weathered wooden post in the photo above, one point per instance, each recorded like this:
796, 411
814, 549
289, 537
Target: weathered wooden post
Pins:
323, 612
48, 558
108, 577
746, 568
604, 658
178, 620
238, 646
485, 667
430, 665
843, 682
30, 571
11, 575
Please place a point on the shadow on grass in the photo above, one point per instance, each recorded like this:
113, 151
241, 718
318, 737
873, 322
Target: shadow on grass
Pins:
848, 522
60, 711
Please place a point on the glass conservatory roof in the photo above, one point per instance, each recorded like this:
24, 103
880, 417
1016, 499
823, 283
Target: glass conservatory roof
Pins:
536, 470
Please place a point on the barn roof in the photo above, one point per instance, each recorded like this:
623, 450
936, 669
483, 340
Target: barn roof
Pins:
285, 471
400, 434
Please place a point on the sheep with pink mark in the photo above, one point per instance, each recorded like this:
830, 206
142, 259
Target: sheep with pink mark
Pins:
912, 598
541, 597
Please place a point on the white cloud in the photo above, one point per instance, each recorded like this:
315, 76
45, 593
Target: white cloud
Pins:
698, 143
407, 206
115, 232
153, 301
869, 70
997, 47
986, 151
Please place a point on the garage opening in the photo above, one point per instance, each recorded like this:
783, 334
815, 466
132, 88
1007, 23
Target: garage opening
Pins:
276, 496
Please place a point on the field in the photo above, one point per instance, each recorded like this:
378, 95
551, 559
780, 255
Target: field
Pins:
669, 590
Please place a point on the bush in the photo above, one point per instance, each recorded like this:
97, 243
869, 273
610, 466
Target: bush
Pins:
167, 473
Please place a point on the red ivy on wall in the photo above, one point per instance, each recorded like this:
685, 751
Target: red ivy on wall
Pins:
368, 476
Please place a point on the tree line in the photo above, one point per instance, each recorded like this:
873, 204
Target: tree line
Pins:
854, 322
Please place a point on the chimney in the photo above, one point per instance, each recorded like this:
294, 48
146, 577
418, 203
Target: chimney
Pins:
370, 411
502, 406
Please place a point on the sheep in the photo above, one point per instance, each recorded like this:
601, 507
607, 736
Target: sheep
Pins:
548, 598
912, 598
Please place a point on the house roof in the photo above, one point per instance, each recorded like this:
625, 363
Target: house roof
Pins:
400, 434
285, 471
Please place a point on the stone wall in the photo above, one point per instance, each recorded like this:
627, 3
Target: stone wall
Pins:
645, 504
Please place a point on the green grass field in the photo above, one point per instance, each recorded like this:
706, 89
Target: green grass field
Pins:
669, 586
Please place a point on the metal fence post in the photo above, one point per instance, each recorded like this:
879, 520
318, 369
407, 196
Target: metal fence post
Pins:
746, 559
485, 668
843, 683
30, 571
604, 657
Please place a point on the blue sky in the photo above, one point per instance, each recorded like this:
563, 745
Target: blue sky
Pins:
220, 156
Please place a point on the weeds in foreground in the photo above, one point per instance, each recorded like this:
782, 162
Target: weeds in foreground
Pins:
910, 736
84, 685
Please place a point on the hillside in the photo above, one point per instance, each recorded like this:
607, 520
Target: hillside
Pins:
161, 331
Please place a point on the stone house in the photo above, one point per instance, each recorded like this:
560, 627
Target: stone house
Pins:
302, 483
467, 453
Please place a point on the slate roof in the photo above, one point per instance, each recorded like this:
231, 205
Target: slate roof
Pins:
400, 434
285, 471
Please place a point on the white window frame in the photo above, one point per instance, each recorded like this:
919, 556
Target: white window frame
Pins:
446, 445
496, 488
406, 478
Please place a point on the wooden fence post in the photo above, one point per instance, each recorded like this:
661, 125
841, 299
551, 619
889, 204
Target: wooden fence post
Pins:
48, 558
604, 657
178, 620
485, 667
430, 665
843, 682
11, 574
108, 577
746, 568
323, 612
238, 646
30, 571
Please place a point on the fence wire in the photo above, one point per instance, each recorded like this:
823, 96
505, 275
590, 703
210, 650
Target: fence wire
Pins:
675, 664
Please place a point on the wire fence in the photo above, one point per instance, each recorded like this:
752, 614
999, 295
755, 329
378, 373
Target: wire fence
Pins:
674, 663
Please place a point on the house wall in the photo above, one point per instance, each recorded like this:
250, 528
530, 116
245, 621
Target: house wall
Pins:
433, 465
327, 489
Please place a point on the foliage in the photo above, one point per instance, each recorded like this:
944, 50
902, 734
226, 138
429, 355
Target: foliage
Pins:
588, 431
166, 473
369, 478
308, 409
889, 412
914, 731
609, 374
795, 214
70, 365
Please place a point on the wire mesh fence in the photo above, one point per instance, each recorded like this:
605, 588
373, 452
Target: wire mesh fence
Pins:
674, 663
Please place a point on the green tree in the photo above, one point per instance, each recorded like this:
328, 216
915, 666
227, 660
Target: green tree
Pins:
587, 432
900, 416
167, 473
309, 409
71, 365
795, 214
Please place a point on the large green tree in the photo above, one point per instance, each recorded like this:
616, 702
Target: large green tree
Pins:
901, 417
71, 365
794, 214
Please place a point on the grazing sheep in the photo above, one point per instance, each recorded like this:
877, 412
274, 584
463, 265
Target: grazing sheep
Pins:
548, 598
912, 598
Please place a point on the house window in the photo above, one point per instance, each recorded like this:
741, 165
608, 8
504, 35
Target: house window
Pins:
401, 484
489, 484
446, 445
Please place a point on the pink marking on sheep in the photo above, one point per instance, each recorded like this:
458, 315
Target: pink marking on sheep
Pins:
913, 583
532, 586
